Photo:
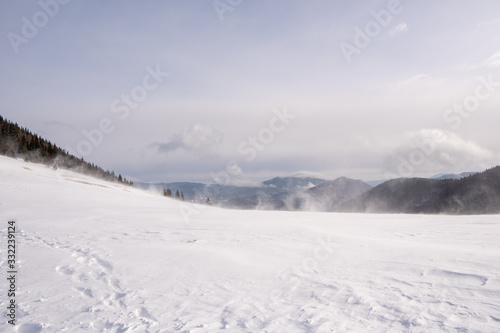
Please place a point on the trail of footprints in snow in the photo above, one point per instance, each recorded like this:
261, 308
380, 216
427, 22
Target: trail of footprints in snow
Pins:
95, 281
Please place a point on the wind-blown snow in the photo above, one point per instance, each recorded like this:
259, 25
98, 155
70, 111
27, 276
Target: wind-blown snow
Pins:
102, 257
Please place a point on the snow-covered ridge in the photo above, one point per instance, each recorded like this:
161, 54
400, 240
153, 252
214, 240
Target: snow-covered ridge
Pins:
102, 257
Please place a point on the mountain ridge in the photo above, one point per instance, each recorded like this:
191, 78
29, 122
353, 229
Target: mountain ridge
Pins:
474, 194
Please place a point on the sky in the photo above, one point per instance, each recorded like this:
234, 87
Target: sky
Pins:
231, 90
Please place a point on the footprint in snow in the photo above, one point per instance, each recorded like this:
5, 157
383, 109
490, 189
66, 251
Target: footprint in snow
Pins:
29, 328
65, 270
144, 313
85, 292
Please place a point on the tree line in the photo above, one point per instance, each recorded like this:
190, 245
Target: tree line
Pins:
19, 142
168, 193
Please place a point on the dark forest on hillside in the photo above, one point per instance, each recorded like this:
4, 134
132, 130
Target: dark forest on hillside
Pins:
19, 142
475, 194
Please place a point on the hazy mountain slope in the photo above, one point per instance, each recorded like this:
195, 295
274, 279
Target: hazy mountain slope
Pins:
453, 175
397, 196
237, 196
294, 184
476, 194
323, 197
335, 192
262, 201
95, 256
219, 194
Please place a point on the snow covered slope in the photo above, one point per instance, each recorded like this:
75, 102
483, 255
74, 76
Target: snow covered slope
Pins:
100, 257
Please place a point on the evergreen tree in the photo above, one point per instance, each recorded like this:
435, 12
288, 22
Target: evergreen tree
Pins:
182, 196
169, 193
23, 146
177, 195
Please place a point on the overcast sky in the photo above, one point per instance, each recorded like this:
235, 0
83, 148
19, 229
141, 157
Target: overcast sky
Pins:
191, 90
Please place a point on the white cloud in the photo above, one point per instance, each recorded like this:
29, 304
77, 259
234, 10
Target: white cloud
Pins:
402, 27
310, 174
233, 175
435, 149
200, 139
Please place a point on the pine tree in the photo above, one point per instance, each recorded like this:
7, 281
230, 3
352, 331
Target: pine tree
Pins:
177, 195
23, 146
182, 196
169, 193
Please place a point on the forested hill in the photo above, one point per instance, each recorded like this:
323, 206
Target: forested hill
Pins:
19, 142
476, 194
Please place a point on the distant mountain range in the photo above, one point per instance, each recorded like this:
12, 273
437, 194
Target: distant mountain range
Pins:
219, 194
478, 193
323, 197
464, 193
228, 195
280, 193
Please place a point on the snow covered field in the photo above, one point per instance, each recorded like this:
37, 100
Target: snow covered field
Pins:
100, 257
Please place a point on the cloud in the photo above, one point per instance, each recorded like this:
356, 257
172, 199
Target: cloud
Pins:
200, 140
233, 175
400, 28
435, 149
311, 174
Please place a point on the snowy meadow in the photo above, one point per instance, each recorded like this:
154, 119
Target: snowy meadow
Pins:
94, 256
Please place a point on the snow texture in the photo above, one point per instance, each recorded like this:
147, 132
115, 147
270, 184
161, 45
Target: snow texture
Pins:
101, 257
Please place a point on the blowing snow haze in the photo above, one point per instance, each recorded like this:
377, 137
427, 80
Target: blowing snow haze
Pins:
169, 91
